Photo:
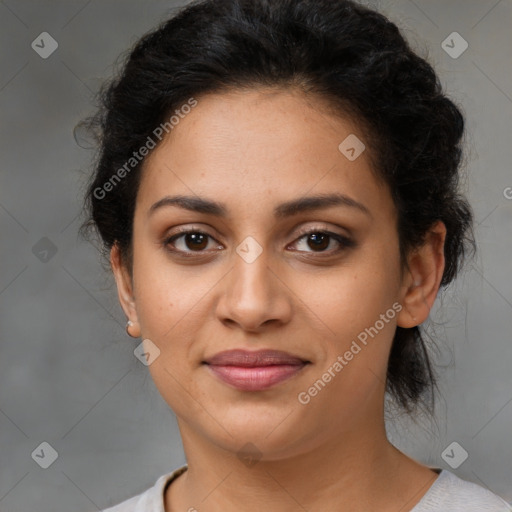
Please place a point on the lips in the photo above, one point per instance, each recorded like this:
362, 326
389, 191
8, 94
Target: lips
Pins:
254, 371
247, 359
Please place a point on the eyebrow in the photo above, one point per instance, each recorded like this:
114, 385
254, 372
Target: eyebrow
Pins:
283, 210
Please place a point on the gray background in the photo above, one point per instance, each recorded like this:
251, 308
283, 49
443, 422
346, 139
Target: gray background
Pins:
67, 369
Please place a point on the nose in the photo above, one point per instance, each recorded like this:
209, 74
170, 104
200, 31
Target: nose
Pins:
253, 296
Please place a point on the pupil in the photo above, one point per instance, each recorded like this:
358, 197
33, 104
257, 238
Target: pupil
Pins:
197, 239
319, 240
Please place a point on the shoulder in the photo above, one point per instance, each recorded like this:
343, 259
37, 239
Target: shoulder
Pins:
449, 493
151, 500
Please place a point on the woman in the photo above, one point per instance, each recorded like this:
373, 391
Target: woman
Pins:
277, 189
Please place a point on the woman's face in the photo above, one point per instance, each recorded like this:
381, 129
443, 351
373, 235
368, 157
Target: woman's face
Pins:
253, 279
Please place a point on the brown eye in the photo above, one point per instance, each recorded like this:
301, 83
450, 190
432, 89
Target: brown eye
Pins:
196, 241
323, 242
318, 241
188, 242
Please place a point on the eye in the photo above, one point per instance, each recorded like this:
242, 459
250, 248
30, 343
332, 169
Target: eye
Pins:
319, 241
190, 241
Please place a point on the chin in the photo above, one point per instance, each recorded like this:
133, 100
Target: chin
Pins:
267, 426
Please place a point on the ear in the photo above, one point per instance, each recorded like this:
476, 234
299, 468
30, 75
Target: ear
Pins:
422, 278
124, 284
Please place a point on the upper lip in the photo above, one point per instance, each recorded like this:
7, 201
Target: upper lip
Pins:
248, 359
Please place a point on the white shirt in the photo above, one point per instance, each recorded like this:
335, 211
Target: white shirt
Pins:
448, 493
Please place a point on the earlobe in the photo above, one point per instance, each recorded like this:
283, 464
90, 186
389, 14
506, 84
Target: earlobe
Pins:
124, 290
423, 278
133, 329
414, 308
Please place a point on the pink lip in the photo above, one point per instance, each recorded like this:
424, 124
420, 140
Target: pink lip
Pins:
254, 371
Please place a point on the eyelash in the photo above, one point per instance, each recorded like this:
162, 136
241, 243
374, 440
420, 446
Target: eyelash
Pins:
346, 243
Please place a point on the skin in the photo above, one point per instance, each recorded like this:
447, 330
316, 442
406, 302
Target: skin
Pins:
252, 151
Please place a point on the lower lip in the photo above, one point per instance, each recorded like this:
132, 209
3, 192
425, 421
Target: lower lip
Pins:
256, 378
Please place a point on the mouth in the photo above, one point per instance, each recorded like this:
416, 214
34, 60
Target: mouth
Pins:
254, 371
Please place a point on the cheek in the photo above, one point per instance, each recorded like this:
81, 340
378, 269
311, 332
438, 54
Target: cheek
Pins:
359, 305
166, 295
362, 315
168, 306
174, 308
354, 297
363, 320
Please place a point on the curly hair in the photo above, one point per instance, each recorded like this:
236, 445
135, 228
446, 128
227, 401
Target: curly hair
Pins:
349, 55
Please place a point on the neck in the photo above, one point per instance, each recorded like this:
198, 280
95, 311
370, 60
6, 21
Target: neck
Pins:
359, 469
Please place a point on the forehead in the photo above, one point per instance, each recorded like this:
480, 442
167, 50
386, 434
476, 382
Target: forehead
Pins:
259, 145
